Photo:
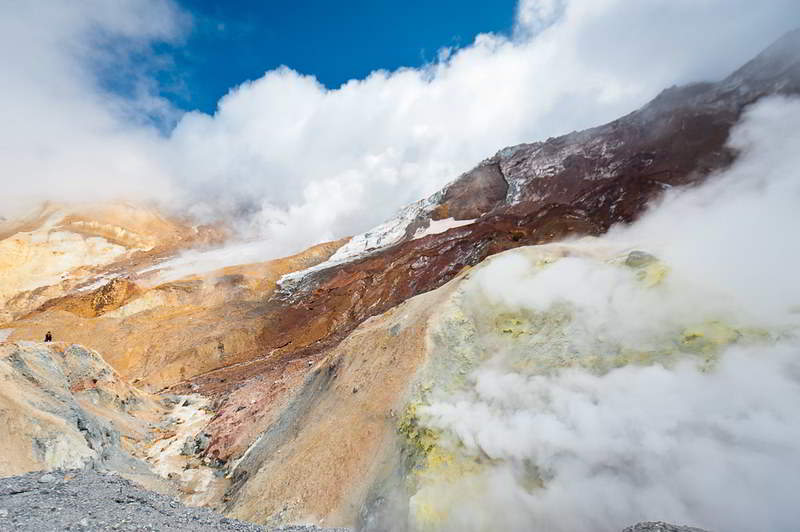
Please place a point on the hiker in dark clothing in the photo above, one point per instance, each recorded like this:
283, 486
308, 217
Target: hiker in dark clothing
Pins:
48, 337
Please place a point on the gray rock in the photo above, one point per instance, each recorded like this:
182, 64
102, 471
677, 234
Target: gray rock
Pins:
202, 441
89, 500
47, 478
196, 445
661, 526
637, 259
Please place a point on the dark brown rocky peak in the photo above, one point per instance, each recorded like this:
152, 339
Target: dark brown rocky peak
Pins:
675, 139
475, 193
776, 69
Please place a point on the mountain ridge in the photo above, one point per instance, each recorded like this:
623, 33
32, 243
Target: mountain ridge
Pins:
690, 126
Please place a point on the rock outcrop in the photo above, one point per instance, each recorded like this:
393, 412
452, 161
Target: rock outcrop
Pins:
62, 407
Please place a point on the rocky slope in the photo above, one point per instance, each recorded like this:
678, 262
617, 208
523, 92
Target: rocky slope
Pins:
346, 441
300, 389
62, 248
63, 407
158, 332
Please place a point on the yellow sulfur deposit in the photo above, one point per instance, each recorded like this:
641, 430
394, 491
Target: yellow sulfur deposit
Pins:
708, 337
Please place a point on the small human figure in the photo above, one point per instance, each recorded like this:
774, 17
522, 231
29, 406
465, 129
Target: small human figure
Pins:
48, 337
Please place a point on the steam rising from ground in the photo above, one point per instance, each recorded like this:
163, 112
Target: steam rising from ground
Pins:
701, 426
293, 163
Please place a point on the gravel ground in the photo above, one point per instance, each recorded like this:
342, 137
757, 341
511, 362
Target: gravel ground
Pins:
88, 500
661, 526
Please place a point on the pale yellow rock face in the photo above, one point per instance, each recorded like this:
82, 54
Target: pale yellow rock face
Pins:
352, 429
30, 259
91, 275
61, 247
52, 395
62, 407
158, 336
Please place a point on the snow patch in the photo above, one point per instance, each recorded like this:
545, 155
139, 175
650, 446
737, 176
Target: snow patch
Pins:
436, 227
386, 234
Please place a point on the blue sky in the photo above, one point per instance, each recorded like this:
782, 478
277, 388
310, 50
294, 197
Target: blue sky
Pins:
230, 42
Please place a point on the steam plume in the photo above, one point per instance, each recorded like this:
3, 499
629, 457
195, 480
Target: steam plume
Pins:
699, 427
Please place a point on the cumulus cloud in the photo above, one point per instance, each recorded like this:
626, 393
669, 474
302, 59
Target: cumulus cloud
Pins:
62, 136
295, 163
319, 164
535, 15
695, 433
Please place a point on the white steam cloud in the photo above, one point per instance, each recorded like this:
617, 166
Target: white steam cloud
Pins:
704, 433
297, 163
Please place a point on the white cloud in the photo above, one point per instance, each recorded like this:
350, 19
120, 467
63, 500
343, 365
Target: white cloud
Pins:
298, 164
534, 15
326, 163
715, 450
62, 137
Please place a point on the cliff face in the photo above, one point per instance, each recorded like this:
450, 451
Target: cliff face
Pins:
313, 376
